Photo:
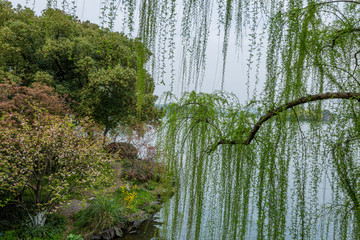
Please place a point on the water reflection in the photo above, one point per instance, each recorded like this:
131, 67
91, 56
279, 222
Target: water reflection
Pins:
149, 230
211, 225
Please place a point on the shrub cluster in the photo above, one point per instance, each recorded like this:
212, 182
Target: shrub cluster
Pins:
43, 162
142, 170
103, 213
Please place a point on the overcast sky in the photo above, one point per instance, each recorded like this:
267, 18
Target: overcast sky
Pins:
236, 69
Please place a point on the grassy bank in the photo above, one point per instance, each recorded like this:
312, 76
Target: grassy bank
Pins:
136, 192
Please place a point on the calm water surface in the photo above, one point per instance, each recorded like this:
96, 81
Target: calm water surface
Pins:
148, 230
210, 225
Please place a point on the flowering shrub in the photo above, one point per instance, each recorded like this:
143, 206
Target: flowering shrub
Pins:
47, 160
129, 194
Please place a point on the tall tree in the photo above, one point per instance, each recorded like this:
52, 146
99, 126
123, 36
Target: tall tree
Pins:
95, 69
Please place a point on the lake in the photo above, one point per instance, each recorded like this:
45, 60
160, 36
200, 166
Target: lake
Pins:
212, 220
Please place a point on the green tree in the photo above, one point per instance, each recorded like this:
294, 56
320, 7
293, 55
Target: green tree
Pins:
95, 69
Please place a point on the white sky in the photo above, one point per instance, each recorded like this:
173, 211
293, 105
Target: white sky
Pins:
236, 69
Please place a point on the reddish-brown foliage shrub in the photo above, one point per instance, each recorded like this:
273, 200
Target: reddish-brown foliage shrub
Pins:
142, 170
123, 149
138, 154
21, 99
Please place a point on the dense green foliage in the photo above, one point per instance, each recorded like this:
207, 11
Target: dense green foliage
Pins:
95, 69
15, 225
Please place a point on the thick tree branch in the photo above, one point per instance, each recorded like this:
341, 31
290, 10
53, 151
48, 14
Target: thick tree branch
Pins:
299, 101
356, 59
338, 1
339, 33
329, 2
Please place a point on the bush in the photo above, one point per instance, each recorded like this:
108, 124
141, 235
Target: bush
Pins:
52, 229
10, 235
101, 214
142, 170
46, 160
123, 149
20, 99
11, 215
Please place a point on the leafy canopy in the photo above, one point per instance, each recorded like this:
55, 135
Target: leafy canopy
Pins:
95, 69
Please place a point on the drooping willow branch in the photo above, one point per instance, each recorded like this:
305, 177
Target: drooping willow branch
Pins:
299, 101
349, 184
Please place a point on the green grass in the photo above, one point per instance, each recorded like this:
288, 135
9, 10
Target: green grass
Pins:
144, 196
102, 213
52, 230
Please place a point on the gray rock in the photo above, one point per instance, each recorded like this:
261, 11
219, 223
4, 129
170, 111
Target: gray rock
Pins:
133, 231
95, 237
108, 234
72, 207
154, 203
137, 223
118, 232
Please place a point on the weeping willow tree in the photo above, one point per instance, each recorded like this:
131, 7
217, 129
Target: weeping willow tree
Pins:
256, 170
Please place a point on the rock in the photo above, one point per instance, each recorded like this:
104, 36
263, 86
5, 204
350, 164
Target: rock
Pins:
154, 203
95, 237
72, 207
133, 231
118, 232
108, 234
137, 223
139, 215
135, 226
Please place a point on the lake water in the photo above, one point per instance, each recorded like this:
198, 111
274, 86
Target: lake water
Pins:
211, 220
148, 230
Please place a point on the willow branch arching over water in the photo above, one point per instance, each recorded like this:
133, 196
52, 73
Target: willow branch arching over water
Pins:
276, 111
256, 175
